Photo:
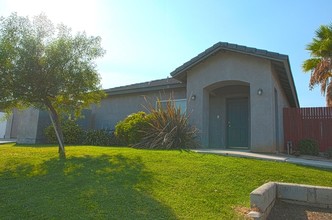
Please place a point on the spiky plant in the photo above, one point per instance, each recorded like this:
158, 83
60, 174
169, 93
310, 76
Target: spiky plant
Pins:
320, 64
168, 128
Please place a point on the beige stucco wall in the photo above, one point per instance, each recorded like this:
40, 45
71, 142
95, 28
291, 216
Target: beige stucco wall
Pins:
117, 107
27, 126
230, 66
281, 103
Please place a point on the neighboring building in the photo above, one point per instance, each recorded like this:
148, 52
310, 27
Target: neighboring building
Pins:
234, 95
3, 124
27, 126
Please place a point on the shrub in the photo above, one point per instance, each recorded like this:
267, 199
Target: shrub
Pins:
50, 135
103, 137
168, 129
72, 133
308, 147
329, 153
129, 131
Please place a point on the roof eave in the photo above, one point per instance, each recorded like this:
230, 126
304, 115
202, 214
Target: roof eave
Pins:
143, 89
291, 81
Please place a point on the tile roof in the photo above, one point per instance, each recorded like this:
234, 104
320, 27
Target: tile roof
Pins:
166, 83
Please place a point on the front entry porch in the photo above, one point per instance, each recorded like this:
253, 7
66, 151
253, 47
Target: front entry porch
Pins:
229, 116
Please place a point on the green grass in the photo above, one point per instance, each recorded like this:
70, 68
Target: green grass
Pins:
124, 183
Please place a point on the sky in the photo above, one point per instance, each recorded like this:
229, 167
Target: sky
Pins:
147, 39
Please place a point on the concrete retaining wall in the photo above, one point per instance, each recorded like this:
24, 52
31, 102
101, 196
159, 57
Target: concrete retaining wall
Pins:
305, 194
263, 198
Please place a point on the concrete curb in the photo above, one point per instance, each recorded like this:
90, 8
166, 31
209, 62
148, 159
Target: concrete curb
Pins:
263, 198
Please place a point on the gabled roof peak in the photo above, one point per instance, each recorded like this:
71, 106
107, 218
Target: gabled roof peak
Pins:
230, 47
279, 61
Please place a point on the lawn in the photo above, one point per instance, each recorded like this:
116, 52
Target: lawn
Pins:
125, 183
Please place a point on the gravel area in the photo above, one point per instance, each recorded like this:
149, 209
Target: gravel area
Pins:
288, 211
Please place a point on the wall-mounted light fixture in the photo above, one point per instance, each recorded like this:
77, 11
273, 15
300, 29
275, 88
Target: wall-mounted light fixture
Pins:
193, 97
259, 91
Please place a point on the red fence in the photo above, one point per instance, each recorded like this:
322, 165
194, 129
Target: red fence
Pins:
313, 123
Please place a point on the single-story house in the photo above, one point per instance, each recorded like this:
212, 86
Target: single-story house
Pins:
234, 95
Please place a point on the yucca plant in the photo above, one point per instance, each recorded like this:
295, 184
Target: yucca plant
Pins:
168, 128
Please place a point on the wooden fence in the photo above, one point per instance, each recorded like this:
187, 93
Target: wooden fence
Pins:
312, 123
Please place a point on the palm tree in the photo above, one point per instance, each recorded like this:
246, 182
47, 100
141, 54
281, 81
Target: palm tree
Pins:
320, 63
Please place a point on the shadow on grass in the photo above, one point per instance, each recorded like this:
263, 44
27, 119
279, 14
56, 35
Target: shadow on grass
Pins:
103, 187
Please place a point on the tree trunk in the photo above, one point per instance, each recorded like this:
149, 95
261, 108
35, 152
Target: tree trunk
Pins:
58, 131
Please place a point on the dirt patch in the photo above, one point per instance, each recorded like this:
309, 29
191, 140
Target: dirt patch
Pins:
288, 211
242, 212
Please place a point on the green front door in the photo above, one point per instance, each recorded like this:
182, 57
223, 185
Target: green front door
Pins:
237, 123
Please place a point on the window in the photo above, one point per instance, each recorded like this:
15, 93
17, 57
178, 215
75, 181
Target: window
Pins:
179, 103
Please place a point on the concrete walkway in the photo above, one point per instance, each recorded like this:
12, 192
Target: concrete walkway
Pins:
314, 162
7, 141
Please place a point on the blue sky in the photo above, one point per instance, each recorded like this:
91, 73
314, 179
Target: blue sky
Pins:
146, 40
